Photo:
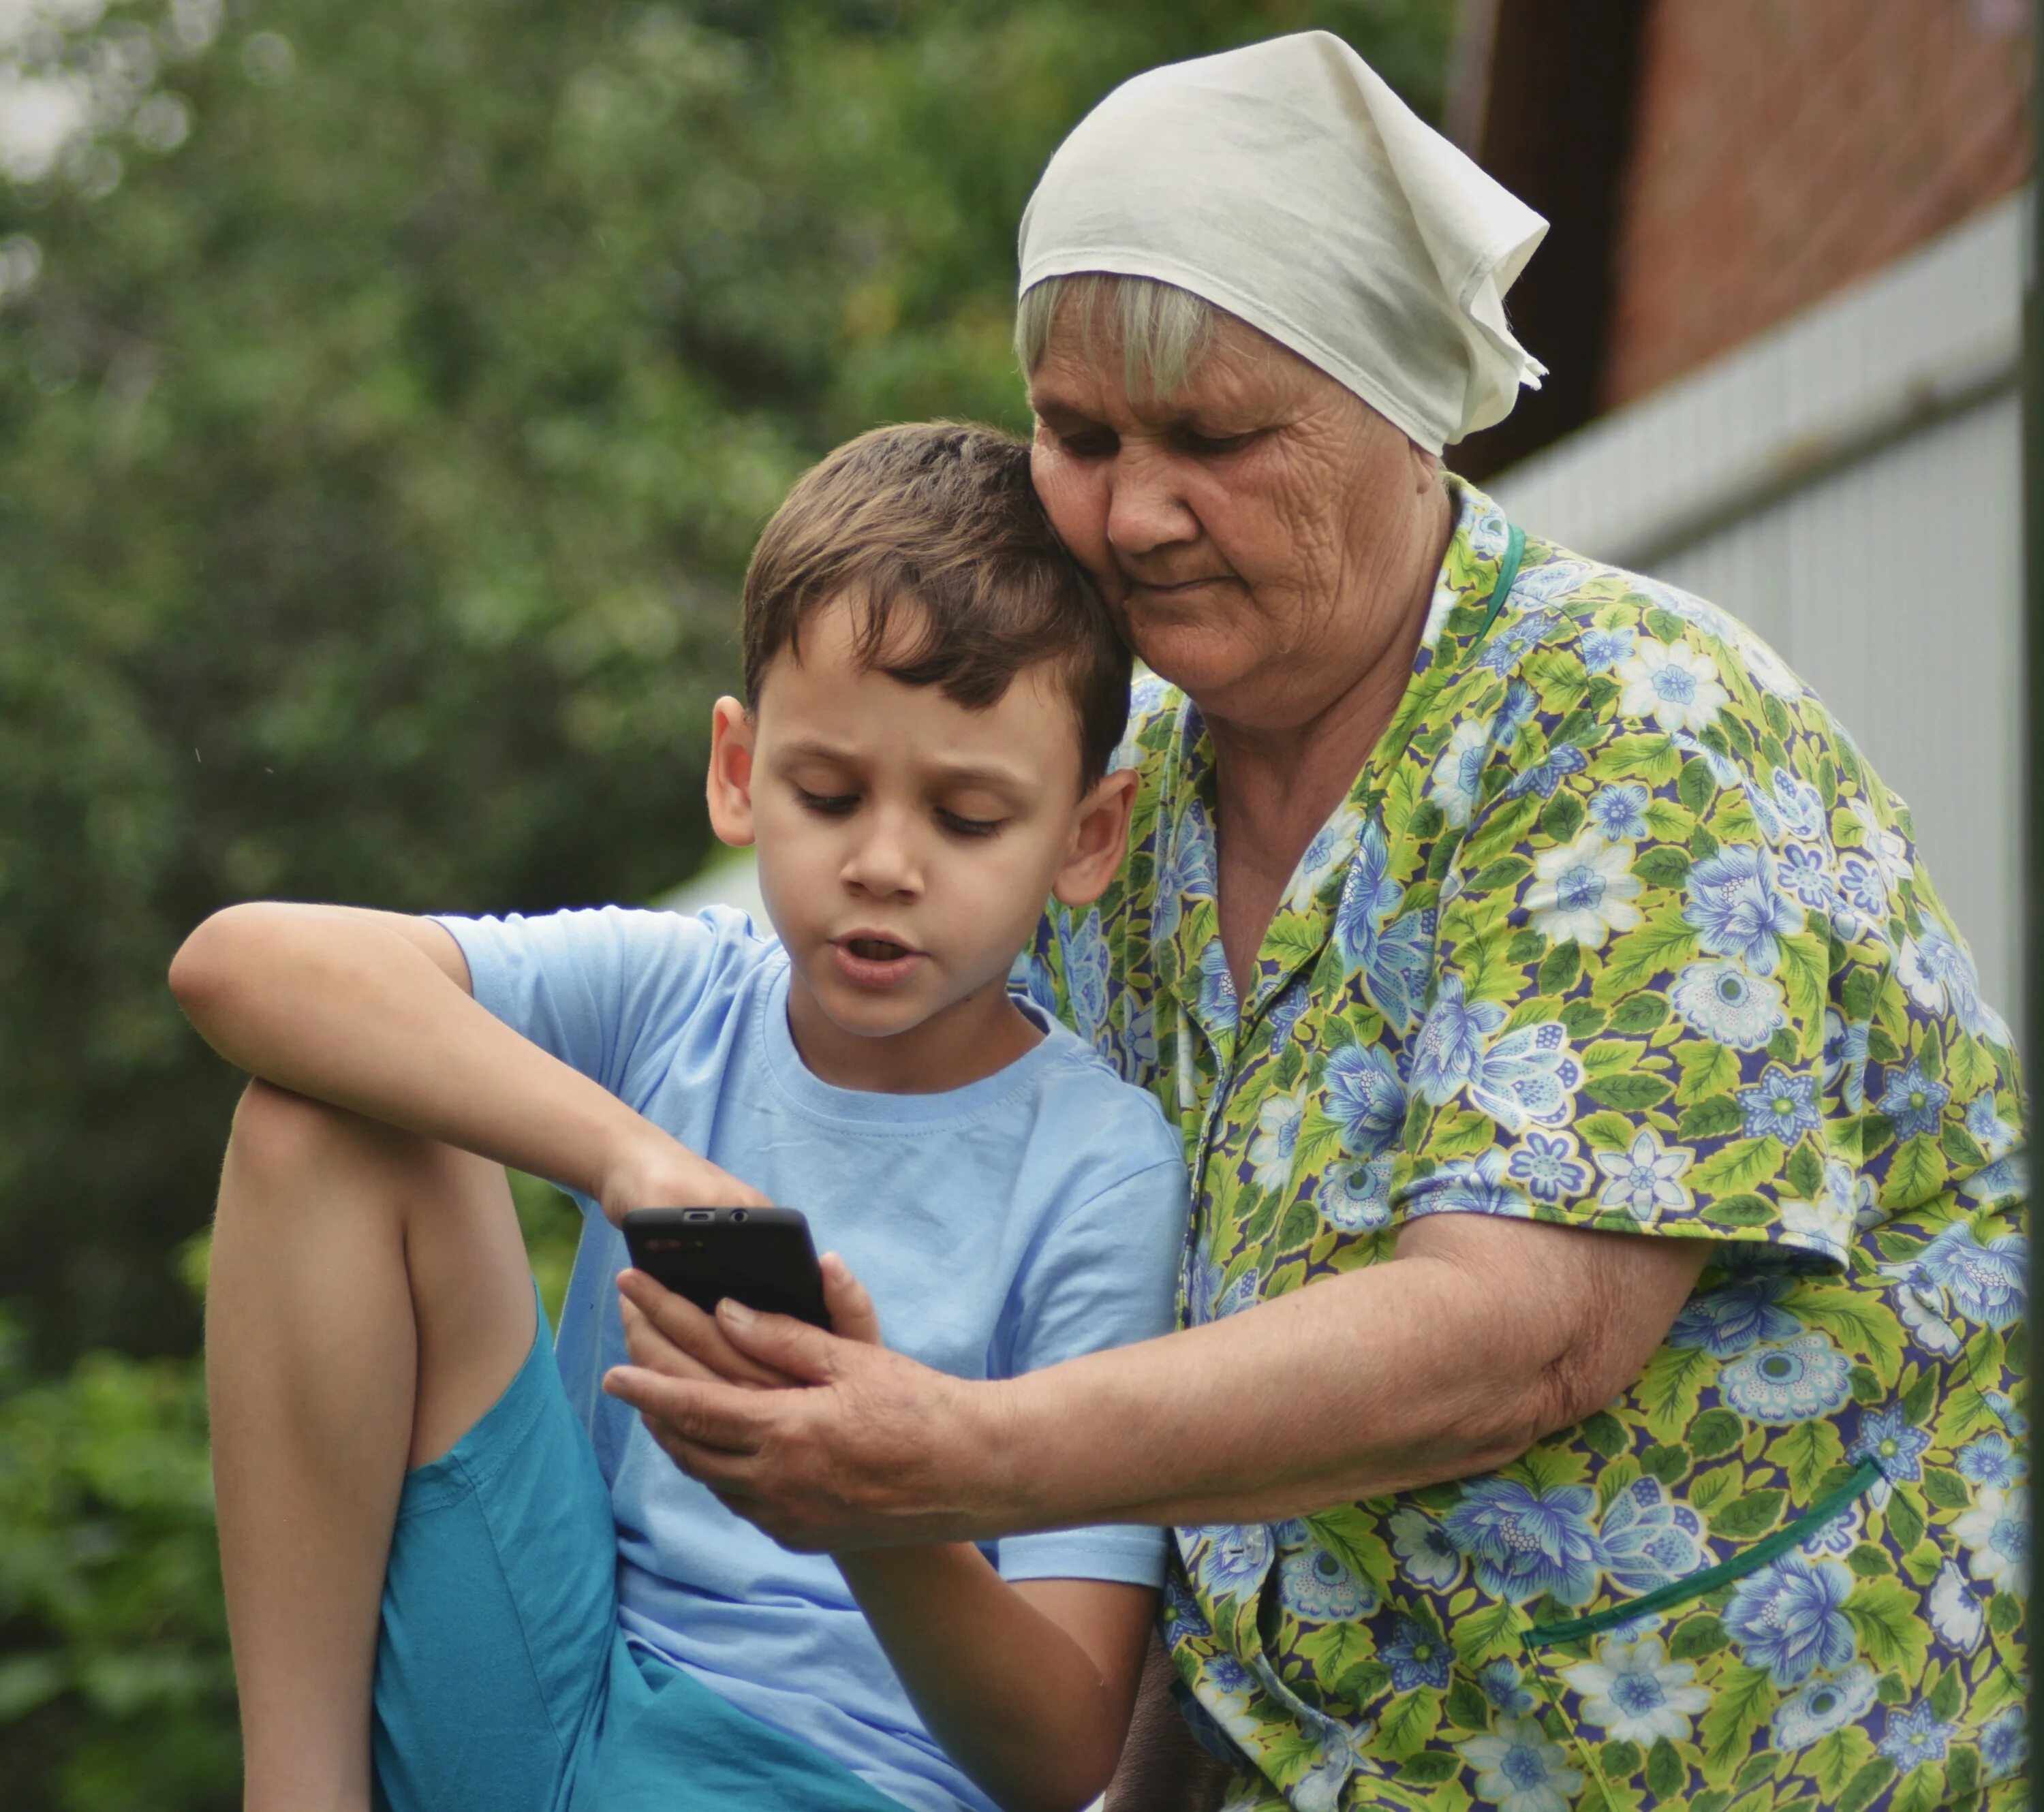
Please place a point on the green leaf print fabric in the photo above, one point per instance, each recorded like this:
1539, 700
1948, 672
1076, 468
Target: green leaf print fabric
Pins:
1616, 930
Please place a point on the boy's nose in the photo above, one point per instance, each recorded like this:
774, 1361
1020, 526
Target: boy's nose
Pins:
884, 863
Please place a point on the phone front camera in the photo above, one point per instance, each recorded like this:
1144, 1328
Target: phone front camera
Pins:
738, 1214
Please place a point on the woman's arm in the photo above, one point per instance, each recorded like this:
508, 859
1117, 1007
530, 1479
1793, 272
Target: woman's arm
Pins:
1480, 1336
372, 1012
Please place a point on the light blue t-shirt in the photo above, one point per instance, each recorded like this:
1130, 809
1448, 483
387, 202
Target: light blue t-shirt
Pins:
1000, 1227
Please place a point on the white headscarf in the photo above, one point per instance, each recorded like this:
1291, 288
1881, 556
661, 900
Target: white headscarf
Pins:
1286, 183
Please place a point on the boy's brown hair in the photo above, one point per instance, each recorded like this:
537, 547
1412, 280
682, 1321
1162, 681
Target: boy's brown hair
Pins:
940, 517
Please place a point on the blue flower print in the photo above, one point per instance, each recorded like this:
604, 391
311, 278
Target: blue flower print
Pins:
1723, 770
1185, 870
1806, 878
1782, 1103
1915, 1736
1797, 1381
1507, 645
1030, 977
1327, 852
1515, 713
1547, 1169
1451, 1043
1217, 1001
1956, 1613
1988, 1460
1424, 1549
1285, 1012
1181, 1613
1235, 1559
1648, 1538
1727, 1321
1736, 909
1458, 775
2006, 1179
1417, 1657
1936, 969
1642, 1179
1525, 1543
1276, 1138
1913, 1101
1821, 1705
1518, 1770
1726, 1004
1996, 1533
1537, 585
1355, 1196
1603, 649
1838, 1534
1799, 803
1635, 1694
1619, 811
1994, 1134
1984, 1283
1861, 887
1317, 1588
1844, 1058
1548, 772
2004, 1744
1788, 1616
1886, 1439
1466, 1187
1085, 974
2010, 1417
1499, 1680
1392, 953
1362, 1090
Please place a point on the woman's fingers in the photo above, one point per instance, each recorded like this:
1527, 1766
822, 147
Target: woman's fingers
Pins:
709, 1414
852, 1311
667, 1325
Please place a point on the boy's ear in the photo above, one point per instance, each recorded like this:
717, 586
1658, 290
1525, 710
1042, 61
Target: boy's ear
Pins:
1100, 839
729, 787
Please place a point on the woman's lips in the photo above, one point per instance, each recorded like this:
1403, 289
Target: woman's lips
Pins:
873, 962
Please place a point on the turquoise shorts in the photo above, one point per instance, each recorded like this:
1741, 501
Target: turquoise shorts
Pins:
503, 1682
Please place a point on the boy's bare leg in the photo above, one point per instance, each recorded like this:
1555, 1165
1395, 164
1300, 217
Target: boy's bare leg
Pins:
368, 1300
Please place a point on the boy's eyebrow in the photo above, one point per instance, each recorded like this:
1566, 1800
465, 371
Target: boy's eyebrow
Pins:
967, 773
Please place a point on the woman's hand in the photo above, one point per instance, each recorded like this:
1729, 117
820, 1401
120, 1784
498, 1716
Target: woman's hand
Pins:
863, 1455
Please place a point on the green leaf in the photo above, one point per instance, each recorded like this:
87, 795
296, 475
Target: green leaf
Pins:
1946, 1490
1971, 1067
1720, 1482
1923, 1790
1640, 1014
1508, 871
2004, 1613
1711, 1118
1946, 1695
1488, 1633
1661, 867
1525, 946
1467, 1708
1666, 1776
1757, 1769
1918, 1393
1755, 1514
1620, 1760
1408, 1723
1664, 942
1858, 996
1429, 1767
1869, 1562
1563, 818
1608, 1132
1745, 1211
1628, 1092
1583, 1019
1603, 1433
1905, 1522
1669, 1388
1806, 1172
1962, 1766
1707, 1069
1665, 1463
1805, 974
1698, 786
1958, 1144
1717, 1431
1703, 845
1696, 1636
1427, 822
1806, 1452
1916, 1173
1784, 1047
1736, 1167
1558, 971
1860, 1322
1744, 1701
1666, 625
1888, 1617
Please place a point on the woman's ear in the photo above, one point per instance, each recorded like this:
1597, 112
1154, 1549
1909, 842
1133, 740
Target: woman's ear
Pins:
729, 788
1100, 839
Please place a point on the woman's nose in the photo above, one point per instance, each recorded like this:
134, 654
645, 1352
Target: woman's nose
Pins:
1146, 507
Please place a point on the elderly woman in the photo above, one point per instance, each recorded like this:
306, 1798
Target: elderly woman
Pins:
1596, 1384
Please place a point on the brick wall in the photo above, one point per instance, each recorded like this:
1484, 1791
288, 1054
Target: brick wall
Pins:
1783, 148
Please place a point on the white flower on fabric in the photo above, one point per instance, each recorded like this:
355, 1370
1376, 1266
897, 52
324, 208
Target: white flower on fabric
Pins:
1459, 770
1821, 1705
1888, 849
1276, 1137
1766, 668
1672, 683
1636, 1693
1728, 1003
1583, 892
1429, 1557
1996, 1532
1642, 1180
1518, 1770
1955, 1613
1823, 1225
1332, 845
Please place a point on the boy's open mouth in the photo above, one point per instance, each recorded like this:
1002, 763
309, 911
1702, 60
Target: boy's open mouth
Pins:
876, 949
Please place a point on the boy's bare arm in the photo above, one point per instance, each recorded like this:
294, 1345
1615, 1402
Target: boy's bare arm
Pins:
1029, 1687
372, 1012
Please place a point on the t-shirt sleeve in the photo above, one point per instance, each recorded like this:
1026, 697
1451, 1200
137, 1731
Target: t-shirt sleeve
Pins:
1103, 1274
606, 990
1627, 1026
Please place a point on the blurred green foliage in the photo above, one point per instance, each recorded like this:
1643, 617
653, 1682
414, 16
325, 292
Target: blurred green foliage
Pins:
389, 395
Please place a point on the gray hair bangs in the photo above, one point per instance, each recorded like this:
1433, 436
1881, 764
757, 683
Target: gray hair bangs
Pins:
1163, 331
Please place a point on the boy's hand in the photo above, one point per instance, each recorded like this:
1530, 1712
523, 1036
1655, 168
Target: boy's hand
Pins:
657, 1171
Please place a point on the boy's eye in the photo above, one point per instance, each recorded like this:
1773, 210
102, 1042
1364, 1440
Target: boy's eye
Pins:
965, 826
826, 804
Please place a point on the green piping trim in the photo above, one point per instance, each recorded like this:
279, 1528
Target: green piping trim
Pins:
1680, 1591
1508, 572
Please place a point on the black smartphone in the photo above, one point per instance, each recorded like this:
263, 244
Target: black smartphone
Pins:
762, 1258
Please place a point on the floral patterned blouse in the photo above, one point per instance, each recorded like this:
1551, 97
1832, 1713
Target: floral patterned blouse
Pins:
1617, 929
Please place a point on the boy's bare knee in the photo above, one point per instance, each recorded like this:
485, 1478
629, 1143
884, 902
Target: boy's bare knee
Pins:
279, 1134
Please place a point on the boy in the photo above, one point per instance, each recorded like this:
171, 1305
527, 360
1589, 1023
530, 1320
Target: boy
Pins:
566, 1619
